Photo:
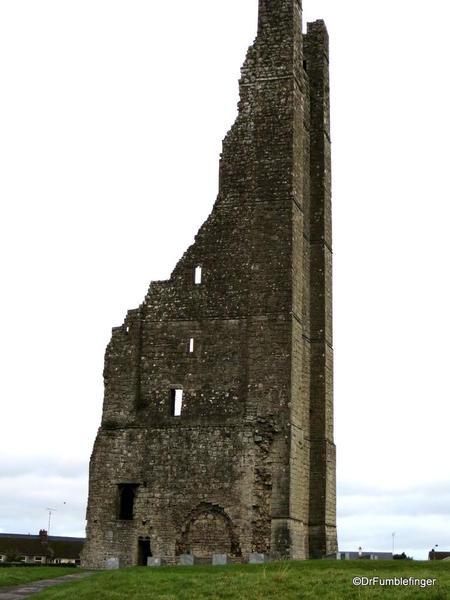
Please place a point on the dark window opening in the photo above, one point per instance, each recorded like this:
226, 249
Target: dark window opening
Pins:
176, 396
305, 65
126, 501
144, 551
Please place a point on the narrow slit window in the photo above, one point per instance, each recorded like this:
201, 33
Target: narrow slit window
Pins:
191, 345
177, 402
198, 275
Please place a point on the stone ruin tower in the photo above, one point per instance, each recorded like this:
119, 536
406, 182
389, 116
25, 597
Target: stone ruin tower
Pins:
217, 428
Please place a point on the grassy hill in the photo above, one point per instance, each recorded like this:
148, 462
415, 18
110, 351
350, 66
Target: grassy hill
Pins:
306, 580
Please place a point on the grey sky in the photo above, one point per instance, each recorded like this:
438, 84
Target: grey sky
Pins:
111, 120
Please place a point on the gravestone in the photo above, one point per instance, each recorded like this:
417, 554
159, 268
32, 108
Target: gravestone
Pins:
258, 559
113, 563
221, 559
188, 560
154, 561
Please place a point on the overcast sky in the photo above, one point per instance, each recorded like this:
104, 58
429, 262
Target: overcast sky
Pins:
112, 114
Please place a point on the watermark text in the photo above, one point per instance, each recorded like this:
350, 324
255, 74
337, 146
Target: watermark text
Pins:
393, 582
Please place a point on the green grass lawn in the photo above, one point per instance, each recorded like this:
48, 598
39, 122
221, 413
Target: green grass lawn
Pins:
17, 575
306, 580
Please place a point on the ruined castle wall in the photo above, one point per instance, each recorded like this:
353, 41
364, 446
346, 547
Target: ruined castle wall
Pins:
178, 470
323, 459
248, 466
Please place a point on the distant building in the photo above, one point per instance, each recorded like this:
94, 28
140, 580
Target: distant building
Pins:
40, 549
433, 555
360, 555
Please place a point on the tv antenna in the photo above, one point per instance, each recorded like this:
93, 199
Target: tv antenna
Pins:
50, 510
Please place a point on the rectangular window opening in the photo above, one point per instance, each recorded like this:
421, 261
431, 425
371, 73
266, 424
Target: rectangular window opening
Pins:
191, 345
127, 494
177, 402
198, 275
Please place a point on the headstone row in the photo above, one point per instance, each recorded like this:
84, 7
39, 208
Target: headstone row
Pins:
188, 560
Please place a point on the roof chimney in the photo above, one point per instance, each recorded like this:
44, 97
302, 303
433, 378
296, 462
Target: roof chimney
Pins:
43, 535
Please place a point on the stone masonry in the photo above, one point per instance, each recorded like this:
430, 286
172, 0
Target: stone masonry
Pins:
239, 337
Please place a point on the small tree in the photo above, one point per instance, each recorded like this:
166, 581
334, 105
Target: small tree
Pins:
402, 556
12, 555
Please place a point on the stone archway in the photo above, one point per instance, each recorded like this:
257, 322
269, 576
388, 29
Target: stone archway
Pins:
208, 531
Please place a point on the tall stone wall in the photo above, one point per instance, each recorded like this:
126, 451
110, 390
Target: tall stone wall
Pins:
249, 465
